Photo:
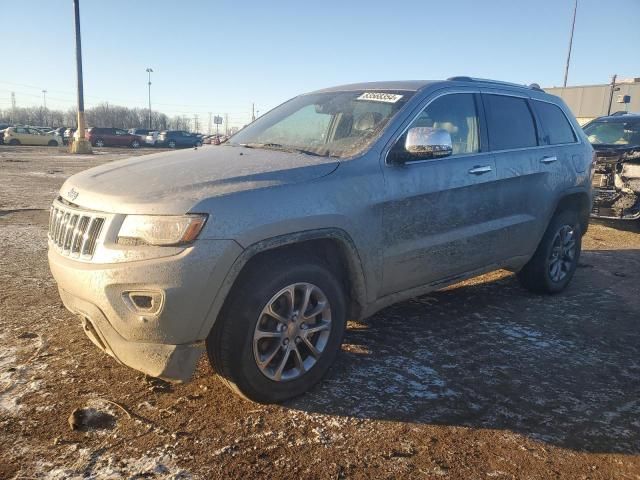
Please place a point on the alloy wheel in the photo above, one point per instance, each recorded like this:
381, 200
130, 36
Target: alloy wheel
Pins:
292, 332
563, 253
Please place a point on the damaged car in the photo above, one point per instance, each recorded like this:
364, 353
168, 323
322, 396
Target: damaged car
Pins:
330, 207
616, 179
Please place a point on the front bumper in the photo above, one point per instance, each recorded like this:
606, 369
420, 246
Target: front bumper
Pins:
164, 341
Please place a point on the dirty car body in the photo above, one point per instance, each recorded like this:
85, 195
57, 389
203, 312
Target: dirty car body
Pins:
383, 190
616, 180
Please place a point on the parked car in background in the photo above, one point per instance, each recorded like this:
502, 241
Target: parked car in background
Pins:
151, 138
68, 135
112, 137
140, 132
3, 127
30, 136
178, 138
60, 132
330, 207
616, 180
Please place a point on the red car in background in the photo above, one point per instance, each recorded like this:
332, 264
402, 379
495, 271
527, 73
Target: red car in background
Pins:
112, 137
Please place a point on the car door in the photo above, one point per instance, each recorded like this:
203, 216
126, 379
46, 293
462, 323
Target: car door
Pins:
439, 219
120, 137
21, 134
562, 155
34, 137
186, 139
42, 138
515, 142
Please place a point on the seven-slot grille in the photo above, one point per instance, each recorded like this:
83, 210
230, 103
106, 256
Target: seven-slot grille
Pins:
74, 233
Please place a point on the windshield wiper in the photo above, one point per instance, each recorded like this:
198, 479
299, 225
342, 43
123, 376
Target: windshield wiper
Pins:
284, 148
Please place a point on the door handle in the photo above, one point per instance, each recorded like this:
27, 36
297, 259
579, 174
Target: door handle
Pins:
479, 170
549, 159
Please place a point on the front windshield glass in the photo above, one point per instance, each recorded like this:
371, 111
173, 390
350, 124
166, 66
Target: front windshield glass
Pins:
613, 133
337, 124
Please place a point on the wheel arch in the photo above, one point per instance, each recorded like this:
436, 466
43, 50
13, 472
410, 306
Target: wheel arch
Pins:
579, 201
332, 245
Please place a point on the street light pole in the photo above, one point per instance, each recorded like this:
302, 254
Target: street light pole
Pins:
81, 145
149, 71
44, 101
573, 25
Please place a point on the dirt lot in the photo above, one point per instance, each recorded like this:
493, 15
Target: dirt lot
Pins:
483, 380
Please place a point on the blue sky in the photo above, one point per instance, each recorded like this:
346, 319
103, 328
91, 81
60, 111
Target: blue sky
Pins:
220, 56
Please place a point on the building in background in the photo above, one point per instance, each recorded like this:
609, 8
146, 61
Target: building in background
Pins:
590, 101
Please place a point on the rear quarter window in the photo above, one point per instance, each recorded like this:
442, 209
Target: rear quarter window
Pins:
557, 128
509, 122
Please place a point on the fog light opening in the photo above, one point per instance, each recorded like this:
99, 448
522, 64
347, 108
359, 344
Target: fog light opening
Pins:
143, 302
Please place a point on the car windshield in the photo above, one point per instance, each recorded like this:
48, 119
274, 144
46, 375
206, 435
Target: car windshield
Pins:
337, 124
613, 133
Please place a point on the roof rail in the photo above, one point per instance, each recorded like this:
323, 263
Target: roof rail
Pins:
533, 86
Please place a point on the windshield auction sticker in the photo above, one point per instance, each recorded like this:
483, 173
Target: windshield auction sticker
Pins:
380, 97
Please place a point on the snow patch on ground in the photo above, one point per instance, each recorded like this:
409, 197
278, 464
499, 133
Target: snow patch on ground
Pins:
95, 465
16, 380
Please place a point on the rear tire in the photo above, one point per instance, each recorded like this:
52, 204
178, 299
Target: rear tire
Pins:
52, 143
555, 261
234, 344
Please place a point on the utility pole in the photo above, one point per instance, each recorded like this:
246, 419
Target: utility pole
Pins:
613, 88
44, 101
209, 123
253, 112
81, 145
149, 71
13, 107
226, 124
195, 123
573, 25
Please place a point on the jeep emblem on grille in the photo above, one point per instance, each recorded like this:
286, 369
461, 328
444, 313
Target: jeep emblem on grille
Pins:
72, 194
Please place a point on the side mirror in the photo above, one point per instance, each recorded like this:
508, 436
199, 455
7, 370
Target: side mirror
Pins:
425, 143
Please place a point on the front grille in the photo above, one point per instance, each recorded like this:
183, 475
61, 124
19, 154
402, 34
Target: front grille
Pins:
74, 232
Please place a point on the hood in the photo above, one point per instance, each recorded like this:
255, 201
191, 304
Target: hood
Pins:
173, 182
613, 153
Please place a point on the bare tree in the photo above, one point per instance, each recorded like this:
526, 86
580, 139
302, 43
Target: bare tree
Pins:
103, 115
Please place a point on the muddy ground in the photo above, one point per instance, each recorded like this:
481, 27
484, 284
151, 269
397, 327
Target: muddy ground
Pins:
483, 380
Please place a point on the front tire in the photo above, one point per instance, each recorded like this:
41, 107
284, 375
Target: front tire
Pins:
99, 143
555, 261
14, 142
135, 144
269, 348
171, 144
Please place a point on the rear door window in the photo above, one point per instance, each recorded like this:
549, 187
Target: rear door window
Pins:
554, 123
509, 122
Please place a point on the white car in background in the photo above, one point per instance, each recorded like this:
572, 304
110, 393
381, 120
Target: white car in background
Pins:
151, 138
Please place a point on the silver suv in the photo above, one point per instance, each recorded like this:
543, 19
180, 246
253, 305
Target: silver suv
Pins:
330, 207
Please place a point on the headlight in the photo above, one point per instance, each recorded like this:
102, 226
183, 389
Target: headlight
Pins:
160, 229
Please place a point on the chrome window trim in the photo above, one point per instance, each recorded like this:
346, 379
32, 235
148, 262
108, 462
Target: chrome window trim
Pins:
481, 91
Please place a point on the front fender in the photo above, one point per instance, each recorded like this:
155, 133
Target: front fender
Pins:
357, 277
